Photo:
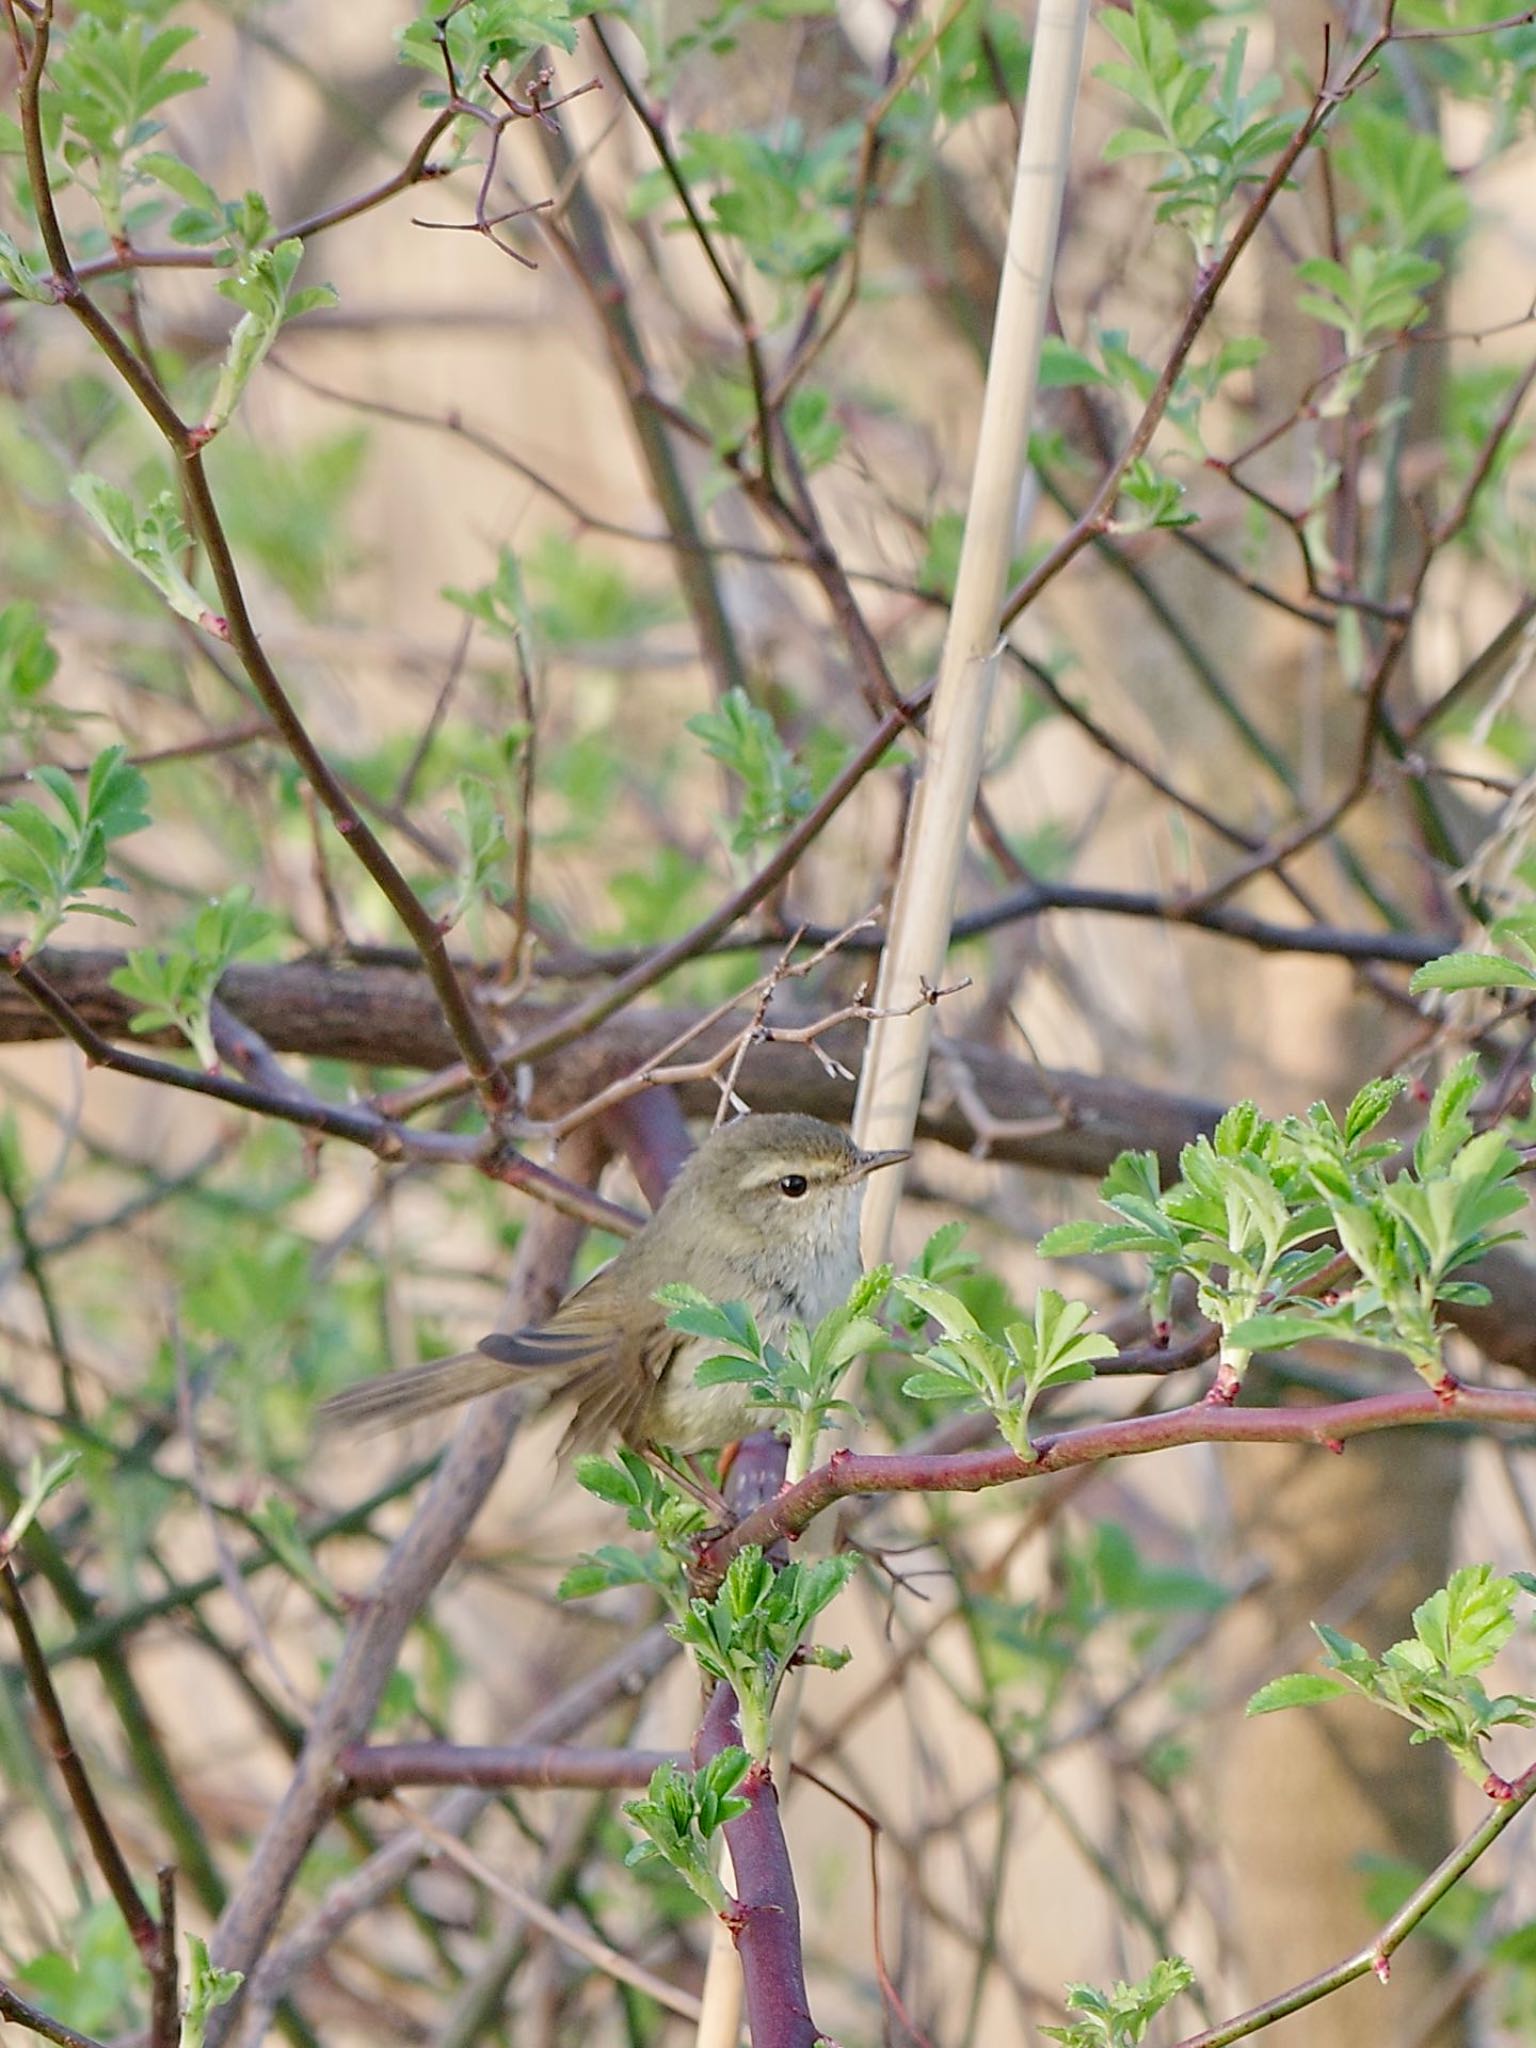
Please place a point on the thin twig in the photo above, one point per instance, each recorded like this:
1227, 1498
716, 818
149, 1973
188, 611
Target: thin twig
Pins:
109, 1858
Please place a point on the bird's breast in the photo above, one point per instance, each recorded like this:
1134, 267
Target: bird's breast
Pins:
687, 1417
790, 1284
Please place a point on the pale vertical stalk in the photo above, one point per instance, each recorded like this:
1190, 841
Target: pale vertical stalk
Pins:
720, 2013
890, 1088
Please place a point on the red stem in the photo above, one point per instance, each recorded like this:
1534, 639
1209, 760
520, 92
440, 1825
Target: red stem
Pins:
1329, 1426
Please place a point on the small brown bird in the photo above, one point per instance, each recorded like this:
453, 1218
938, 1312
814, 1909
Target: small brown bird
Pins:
766, 1212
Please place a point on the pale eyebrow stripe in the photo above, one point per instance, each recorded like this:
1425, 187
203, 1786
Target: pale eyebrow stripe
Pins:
813, 1169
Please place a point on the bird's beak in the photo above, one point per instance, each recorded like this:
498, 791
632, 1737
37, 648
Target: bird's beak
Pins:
871, 1162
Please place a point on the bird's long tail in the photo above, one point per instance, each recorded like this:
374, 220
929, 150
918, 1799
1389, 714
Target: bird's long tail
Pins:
399, 1397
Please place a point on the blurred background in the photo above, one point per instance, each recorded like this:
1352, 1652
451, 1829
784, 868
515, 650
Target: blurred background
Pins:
507, 540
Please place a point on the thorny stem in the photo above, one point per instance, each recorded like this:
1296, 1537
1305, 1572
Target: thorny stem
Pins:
1376, 1956
1329, 1426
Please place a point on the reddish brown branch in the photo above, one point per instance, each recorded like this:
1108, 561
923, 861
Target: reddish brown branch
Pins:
1329, 1426
373, 1771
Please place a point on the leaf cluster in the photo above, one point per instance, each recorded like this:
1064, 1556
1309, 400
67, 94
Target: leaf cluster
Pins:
1119, 2017
785, 199
1377, 293
679, 1814
49, 865
263, 289
175, 987
107, 79
747, 1636
775, 789
1004, 1376
484, 845
1214, 133
155, 543
650, 1503
799, 1377
208, 1987
1259, 1206
478, 36
1429, 1678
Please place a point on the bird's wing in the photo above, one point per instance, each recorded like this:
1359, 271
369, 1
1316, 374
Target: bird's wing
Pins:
581, 1343
614, 1394
580, 1334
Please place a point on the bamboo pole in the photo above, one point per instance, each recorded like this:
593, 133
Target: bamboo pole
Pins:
891, 1085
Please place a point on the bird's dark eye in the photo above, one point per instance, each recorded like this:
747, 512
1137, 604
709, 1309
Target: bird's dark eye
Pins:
793, 1184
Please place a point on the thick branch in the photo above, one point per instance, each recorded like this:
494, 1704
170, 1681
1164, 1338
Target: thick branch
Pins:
1048, 1118
387, 1016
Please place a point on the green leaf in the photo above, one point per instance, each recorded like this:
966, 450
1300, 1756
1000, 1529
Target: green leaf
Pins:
23, 276
263, 286
721, 1372
935, 1386
1064, 368
1300, 1689
43, 1481
609, 1566
946, 1309
1467, 1623
608, 1482
775, 790
1276, 1332
155, 545
1471, 970
47, 868
1370, 1105
207, 1987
